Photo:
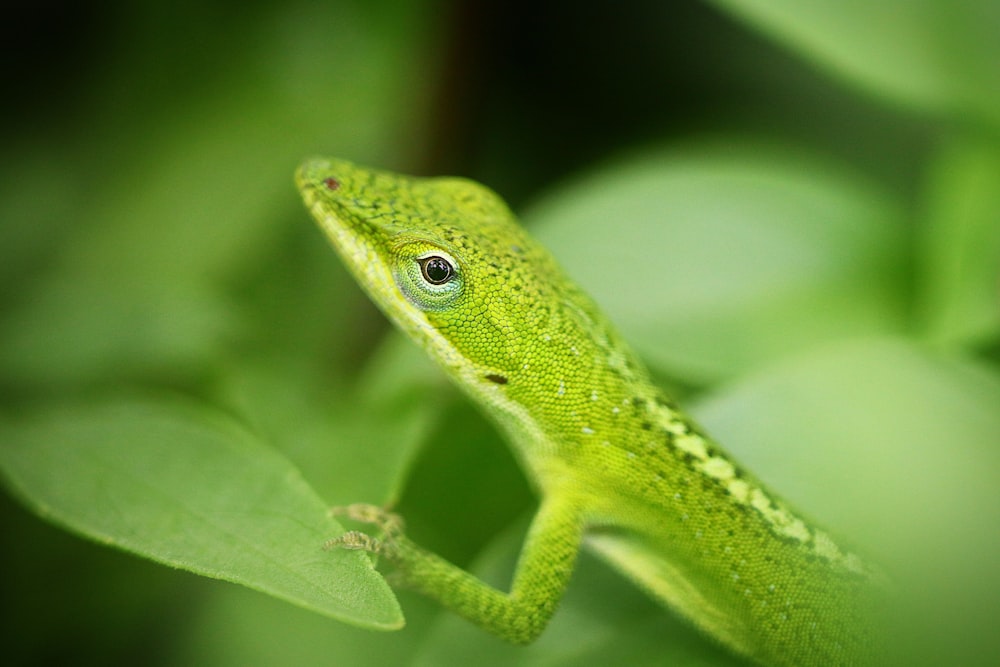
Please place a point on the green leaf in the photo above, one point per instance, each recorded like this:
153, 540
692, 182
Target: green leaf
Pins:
183, 485
960, 243
717, 259
940, 56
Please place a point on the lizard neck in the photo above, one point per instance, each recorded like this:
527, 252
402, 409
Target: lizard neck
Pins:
581, 403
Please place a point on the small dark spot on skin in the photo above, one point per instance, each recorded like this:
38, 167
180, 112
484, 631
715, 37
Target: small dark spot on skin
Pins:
788, 539
688, 458
499, 379
647, 426
331, 183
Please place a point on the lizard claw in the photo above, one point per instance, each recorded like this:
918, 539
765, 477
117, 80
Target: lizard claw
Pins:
354, 540
389, 523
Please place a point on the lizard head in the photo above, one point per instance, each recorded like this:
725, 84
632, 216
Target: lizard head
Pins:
444, 258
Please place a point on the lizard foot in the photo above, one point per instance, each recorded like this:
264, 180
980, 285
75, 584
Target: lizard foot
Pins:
354, 540
389, 523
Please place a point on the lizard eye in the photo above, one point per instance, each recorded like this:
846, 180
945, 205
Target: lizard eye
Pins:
436, 270
430, 280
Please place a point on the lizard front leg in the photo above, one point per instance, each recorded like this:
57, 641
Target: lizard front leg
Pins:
540, 579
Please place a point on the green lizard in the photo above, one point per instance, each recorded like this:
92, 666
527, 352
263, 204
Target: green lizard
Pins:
617, 466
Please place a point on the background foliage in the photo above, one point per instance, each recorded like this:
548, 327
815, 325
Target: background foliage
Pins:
790, 208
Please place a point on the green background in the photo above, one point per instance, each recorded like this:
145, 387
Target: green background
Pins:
792, 209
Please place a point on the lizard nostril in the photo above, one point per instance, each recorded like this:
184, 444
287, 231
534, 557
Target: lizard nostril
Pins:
331, 183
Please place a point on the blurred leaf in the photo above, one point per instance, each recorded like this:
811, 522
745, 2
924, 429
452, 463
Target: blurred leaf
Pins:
26, 196
830, 429
717, 259
236, 628
353, 443
189, 198
940, 56
960, 247
184, 486
895, 449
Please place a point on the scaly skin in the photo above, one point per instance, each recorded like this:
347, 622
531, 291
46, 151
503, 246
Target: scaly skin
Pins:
617, 466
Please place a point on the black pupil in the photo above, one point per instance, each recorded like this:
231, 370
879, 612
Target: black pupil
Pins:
437, 270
